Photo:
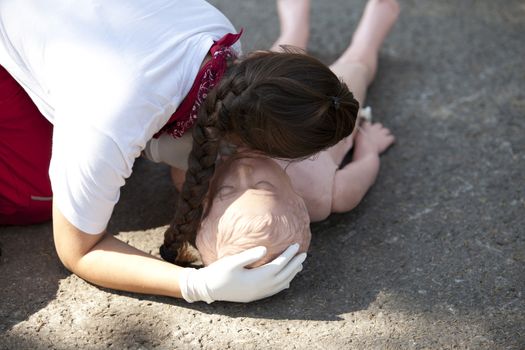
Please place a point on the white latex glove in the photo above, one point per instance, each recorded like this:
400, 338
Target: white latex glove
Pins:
227, 279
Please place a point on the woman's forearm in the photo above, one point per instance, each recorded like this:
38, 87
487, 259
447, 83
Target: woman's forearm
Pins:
114, 264
108, 262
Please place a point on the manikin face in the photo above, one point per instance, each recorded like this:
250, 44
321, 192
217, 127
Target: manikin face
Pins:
244, 191
241, 183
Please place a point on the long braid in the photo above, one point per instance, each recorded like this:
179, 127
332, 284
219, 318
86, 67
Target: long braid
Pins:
208, 131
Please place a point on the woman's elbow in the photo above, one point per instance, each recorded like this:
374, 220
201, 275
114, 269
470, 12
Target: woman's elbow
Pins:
71, 244
72, 249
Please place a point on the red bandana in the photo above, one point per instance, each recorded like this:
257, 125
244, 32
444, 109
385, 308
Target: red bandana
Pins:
209, 75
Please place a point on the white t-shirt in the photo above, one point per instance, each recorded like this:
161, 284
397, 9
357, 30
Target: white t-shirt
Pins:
108, 75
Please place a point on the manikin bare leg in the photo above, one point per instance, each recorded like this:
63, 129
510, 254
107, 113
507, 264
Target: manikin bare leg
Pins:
294, 18
357, 65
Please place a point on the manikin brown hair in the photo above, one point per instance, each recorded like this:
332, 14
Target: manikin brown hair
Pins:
285, 105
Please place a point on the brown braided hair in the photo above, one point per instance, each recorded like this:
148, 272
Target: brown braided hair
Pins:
278, 103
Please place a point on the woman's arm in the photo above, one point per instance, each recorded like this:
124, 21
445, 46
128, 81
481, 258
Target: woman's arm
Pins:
108, 262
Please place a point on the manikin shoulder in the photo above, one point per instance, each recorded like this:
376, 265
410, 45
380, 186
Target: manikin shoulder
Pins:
313, 180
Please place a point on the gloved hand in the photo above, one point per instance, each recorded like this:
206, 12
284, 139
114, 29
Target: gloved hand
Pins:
227, 279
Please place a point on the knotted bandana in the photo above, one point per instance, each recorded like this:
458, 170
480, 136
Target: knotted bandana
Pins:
207, 77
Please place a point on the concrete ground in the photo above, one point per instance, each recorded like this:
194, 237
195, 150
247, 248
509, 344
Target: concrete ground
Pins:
433, 258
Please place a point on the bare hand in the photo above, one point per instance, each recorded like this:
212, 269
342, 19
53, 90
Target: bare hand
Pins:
373, 138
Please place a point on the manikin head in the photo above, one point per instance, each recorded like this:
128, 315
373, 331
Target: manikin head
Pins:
252, 203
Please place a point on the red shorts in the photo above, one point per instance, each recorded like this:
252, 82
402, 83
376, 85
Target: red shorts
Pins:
25, 153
